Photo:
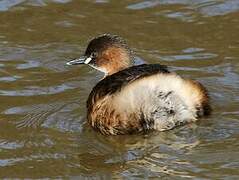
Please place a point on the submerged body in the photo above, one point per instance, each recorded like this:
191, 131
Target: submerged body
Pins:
140, 98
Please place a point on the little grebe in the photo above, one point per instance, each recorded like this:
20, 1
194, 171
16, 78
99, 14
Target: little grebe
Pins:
138, 98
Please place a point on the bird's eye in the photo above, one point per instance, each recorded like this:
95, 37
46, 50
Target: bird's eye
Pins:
94, 54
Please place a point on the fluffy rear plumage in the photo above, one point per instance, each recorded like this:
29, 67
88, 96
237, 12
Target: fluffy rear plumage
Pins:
144, 97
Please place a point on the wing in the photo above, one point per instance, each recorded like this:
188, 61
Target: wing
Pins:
115, 82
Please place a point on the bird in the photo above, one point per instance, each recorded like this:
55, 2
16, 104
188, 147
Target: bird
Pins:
141, 98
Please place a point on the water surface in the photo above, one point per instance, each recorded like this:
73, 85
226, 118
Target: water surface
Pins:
43, 129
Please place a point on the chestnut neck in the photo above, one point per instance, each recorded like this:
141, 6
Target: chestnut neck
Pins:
114, 59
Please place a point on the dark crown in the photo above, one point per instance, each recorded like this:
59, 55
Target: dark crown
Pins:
104, 41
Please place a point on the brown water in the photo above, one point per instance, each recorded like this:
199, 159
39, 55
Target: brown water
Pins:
43, 129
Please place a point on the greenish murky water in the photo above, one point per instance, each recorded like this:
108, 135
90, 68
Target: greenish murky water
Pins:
43, 129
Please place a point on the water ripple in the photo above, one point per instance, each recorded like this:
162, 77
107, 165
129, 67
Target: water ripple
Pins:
10, 145
205, 7
36, 90
5, 5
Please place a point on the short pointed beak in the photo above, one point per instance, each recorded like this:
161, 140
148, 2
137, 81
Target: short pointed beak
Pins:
80, 60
